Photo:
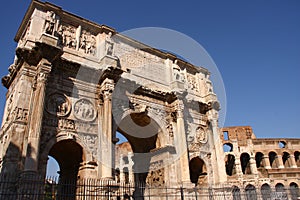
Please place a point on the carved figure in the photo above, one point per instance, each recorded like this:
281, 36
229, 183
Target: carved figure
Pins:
84, 110
109, 45
50, 23
58, 105
178, 76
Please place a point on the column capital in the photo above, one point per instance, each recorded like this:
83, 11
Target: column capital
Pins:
107, 87
43, 70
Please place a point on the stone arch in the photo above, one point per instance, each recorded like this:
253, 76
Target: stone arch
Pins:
259, 157
227, 147
250, 191
230, 164
294, 191
280, 191
245, 163
236, 193
286, 160
145, 134
62, 136
198, 171
162, 123
273, 159
266, 191
87, 156
297, 158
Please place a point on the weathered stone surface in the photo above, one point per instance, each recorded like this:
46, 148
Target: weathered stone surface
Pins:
74, 84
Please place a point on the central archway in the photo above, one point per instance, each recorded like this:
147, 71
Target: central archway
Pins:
144, 134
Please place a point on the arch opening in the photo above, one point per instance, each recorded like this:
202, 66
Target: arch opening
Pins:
286, 160
69, 155
273, 159
259, 159
236, 193
227, 147
141, 136
53, 169
294, 191
230, 165
266, 191
297, 158
245, 163
198, 171
280, 191
251, 192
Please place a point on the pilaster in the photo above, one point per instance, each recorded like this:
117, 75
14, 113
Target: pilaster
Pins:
36, 115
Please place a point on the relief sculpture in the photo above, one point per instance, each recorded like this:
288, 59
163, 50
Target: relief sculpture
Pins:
84, 110
58, 104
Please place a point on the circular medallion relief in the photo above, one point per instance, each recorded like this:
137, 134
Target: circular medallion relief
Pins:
58, 104
84, 110
201, 135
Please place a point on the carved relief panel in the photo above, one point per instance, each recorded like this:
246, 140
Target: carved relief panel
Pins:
58, 104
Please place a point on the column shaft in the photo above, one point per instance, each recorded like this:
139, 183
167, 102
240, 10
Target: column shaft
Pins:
35, 123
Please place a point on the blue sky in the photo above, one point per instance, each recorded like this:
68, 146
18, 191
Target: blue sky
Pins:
255, 45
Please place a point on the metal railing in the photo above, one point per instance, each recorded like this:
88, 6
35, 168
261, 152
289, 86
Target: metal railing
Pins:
33, 188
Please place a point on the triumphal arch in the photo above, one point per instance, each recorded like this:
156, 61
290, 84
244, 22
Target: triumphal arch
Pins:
75, 84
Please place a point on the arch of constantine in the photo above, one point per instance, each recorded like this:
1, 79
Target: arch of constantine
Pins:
75, 85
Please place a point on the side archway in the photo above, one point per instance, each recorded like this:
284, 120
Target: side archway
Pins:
198, 171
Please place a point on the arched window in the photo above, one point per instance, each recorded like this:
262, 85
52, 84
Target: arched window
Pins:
297, 158
280, 191
266, 191
282, 144
273, 159
245, 163
227, 147
230, 164
286, 160
294, 191
251, 192
259, 159
236, 193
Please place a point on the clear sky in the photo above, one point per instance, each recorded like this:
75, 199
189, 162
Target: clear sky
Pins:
255, 45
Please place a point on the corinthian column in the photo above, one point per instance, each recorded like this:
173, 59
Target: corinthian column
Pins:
36, 115
107, 157
182, 144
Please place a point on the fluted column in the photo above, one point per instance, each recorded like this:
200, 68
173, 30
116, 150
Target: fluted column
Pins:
36, 115
182, 144
106, 140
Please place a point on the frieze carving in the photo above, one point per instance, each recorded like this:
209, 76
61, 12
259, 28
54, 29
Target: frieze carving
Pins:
58, 104
91, 142
77, 39
70, 125
66, 124
84, 110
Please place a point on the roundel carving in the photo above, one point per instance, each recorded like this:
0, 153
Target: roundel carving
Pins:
84, 110
58, 104
201, 135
